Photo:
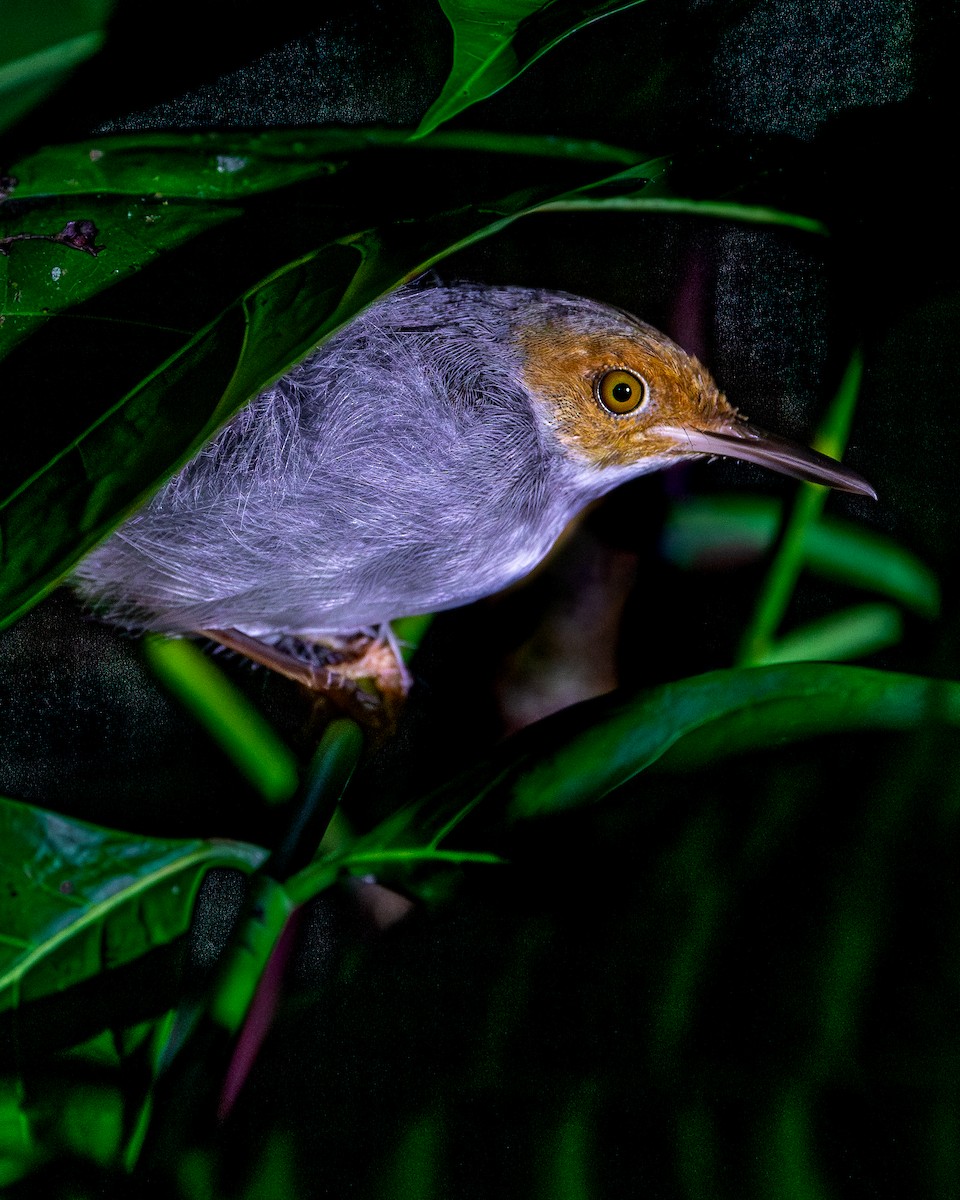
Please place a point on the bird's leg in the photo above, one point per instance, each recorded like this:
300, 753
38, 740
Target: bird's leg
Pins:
351, 662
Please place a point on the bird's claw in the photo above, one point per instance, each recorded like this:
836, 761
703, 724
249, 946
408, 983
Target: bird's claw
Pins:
362, 675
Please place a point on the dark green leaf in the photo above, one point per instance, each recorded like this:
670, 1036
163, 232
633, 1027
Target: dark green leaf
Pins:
495, 41
41, 279
585, 752
235, 166
599, 745
161, 177
745, 214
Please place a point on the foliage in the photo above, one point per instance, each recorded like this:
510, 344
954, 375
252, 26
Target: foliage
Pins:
685, 938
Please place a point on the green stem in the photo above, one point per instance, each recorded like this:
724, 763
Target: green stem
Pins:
790, 550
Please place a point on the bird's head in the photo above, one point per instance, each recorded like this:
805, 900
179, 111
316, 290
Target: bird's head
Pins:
622, 399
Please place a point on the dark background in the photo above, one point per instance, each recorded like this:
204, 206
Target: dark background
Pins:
635, 973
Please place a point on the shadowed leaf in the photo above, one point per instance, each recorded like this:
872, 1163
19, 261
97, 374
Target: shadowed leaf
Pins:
234, 166
582, 754
41, 45
748, 214
714, 530
711, 716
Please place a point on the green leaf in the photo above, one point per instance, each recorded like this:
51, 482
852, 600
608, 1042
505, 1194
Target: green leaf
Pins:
235, 166
582, 754
142, 191
183, 166
496, 40
55, 278
722, 529
77, 900
40, 45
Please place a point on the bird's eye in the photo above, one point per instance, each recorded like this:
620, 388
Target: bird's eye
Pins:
621, 391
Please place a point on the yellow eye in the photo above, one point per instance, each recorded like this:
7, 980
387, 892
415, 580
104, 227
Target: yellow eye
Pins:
621, 391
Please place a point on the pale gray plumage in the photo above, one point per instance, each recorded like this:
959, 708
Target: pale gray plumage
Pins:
356, 489
429, 454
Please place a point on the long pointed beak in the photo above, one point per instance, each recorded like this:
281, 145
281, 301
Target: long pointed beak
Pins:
744, 441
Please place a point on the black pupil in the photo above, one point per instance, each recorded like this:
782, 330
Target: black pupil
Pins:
622, 392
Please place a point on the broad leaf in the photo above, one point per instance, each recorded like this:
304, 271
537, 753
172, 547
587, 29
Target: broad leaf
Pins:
77, 900
234, 166
45, 277
141, 194
600, 745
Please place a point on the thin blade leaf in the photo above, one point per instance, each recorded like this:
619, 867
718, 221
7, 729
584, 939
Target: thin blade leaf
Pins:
807, 507
226, 713
852, 633
747, 214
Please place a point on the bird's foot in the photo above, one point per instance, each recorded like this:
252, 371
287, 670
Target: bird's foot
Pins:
362, 675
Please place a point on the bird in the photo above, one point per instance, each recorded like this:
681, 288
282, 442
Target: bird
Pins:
427, 455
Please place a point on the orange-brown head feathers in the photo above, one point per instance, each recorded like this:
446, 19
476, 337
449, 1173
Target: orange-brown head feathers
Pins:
624, 399
614, 400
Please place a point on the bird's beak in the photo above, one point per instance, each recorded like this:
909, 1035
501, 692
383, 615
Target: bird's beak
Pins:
741, 440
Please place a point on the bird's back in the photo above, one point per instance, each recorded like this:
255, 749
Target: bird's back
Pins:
389, 473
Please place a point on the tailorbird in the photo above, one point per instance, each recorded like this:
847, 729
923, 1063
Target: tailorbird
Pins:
428, 454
